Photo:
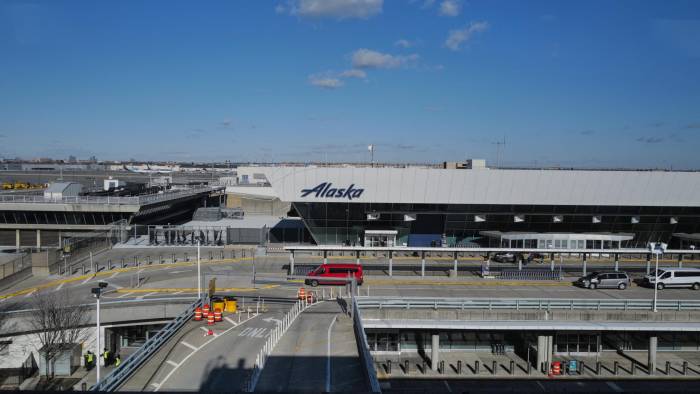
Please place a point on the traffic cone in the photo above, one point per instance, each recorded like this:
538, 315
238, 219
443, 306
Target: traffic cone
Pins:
301, 294
210, 332
198, 314
205, 310
217, 314
210, 320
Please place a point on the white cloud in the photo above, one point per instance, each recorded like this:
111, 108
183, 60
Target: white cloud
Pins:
450, 8
338, 9
367, 58
354, 73
325, 82
404, 43
457, 37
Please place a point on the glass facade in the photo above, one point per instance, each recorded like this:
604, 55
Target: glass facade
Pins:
344, 222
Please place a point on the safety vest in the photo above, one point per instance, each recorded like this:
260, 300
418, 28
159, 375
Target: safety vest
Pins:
117, 362
89, 358
105, 354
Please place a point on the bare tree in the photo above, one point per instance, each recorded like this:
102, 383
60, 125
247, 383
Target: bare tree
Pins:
57, 324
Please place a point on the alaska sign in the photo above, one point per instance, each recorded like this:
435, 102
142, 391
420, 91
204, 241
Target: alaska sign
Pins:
326, 190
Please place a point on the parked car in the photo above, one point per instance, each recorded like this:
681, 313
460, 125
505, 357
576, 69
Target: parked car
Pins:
334, 274
675, 277
506, 257
605, 280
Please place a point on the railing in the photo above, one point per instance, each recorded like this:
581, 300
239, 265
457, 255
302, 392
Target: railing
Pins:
19, 263
523, 304
363, 348
108, 200
530, 275
119, 375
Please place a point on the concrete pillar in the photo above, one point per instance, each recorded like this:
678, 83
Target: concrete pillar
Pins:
544, 351
38, 239
648, 263
551, 262
680, 261
435, 352
291, 262
422, 264
357, 257
17, 242
651, 365
325, 257
617, 262
585, 271
391, 263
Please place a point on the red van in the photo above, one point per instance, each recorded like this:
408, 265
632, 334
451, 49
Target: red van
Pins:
327, 272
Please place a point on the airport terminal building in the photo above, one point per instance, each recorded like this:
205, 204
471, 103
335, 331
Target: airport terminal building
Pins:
419, 206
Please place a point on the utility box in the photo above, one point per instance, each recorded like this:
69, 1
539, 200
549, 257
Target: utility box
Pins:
64, 363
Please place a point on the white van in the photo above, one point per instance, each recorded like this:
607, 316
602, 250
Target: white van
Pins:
676, 277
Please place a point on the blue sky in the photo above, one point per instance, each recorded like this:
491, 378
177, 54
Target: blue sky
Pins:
589, 83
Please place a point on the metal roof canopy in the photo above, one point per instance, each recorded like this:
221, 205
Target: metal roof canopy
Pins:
530, 325
517, 235
334, 248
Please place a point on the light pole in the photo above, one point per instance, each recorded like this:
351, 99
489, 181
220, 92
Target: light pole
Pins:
657, 248
96, 291
199, 279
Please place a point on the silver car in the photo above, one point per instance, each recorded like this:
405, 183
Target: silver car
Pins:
606, 280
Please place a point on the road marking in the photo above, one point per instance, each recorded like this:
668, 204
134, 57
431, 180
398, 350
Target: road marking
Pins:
253, 332
156, 385
177, 292
89, 278
114, 275
206, 329
541, 386
328, 356
188, 345
60, 286
116, 286
171, 362
228, 319
141, 297
125, 295
615, 387
179, 271
196, 350
30, 293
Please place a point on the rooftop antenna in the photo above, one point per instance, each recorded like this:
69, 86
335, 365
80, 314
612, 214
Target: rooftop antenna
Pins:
499, 144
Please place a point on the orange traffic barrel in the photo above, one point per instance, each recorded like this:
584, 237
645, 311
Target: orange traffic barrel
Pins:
310, 297
198, 314
217, 314
301, 294
556, 368
210, 319
205, 310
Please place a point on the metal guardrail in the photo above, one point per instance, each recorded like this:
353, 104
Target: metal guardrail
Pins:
117, 377
524, 304
363, 348
530, 275
109, 200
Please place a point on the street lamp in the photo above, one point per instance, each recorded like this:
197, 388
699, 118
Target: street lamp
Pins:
656, 248
96, 291
199, 279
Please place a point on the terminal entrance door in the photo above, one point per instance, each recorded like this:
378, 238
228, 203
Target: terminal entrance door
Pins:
577, 344
380, 238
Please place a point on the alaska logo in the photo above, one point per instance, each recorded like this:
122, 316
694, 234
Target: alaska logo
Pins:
326, 190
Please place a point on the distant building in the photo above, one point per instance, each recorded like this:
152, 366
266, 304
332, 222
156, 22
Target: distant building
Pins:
60, 190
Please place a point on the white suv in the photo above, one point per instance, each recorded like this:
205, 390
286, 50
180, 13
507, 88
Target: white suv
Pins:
675, 277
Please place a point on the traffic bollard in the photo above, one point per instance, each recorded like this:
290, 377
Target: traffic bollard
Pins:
424, 367
581, 367
150, 261
685, 368
529, 368
160, 258
615, 365
406, 366
633, 368
597, 367
512, 367
441, 367
459, 367
388, 367
476, 367
173, 260
494, 366
187, 257
668, 368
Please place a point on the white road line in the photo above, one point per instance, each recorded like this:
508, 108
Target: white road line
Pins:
196, 350
171, 362
125, 295
30, 293
156, 385
541, 386
615, 387
328, 358
206, 329
188, 345
449, 389
116, 286
89, 278
177, 292
60, 286
114, 275
141, 297
228, 319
